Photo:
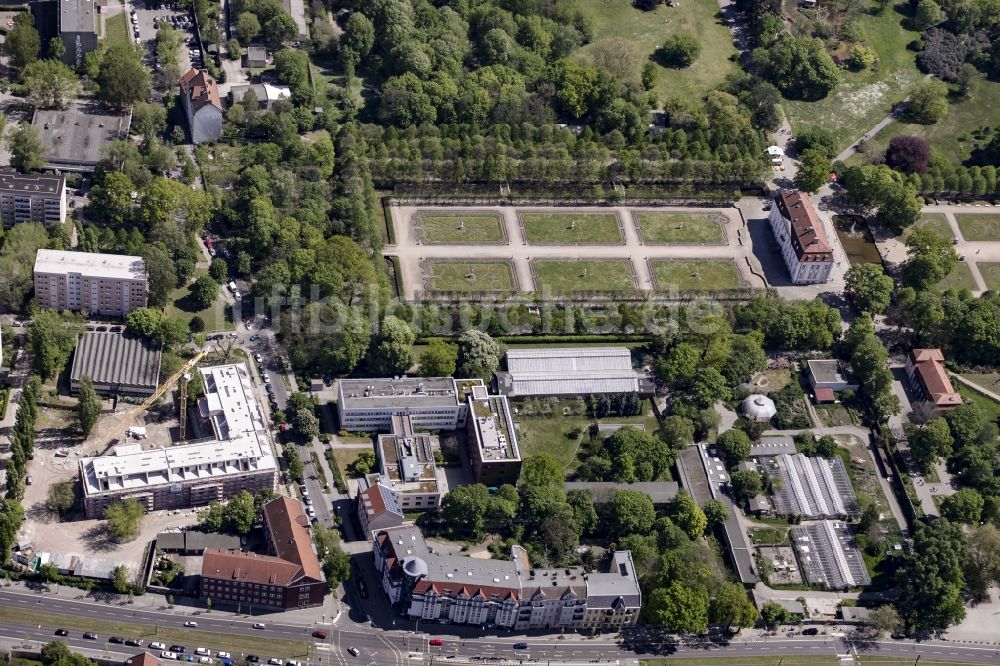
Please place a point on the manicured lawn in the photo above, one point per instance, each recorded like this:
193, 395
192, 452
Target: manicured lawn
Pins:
443, 275
571, 228
105, 628
217, 316
677, 228
435, 227
935, 222
954, 137
695, 275
991, 275
862, 99
646, 31
979, 226
118, 30
567, 275
959, 278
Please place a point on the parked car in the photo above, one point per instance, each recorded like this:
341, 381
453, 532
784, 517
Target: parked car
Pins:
223, 655
205, 652
253, 659
156, 645
167, 654
205, 660
180, 649
811, 631
116, 639
90, 636
274, 661
134, 642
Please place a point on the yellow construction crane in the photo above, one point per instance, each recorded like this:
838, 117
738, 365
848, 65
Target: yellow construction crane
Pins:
129, 418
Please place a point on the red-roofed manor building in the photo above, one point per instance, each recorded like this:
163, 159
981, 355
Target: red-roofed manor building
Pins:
925, 368
202, 105
290, 577
799, 232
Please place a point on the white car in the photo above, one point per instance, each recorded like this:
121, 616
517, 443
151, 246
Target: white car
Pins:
205, 652
258, 358
157, 646
258, 625
205, 660
308, 501
167, 654
305, 491
190, 623
223, 655
274, 661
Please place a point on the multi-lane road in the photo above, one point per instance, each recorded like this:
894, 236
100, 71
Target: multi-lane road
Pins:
379, 647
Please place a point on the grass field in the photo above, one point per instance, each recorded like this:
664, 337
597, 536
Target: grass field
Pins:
560, 436
444, 275
118, 30
645, 31
988, 405
991, 275
952, 137
862, 99
979, 226
567, 275
217, 316
695, 275
675, 228
264, 647
959, 278
345, 457
571, 228
484, 228
935, 222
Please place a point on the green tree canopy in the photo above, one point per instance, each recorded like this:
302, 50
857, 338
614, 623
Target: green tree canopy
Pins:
734, 445
439, 359
541, 469
686, 514
632, 512
123, 519
88, 406
868, 287
679, 608
25, 148
122, 78
392, 348
478, 354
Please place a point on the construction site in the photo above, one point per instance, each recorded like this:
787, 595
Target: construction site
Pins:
201, 436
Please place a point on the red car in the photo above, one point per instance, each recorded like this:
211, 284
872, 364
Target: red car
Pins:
319, 634
436, 642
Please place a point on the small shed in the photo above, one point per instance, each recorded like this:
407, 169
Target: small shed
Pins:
256, 57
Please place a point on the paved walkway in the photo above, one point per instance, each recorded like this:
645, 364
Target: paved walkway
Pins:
411, 251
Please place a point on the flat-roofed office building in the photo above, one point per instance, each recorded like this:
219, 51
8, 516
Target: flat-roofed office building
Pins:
492, 439
96, 284
238, 458
432, 403
38, 198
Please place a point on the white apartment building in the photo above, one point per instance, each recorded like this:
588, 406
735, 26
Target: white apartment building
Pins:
97, 284
799, 232
432, 403
39, 198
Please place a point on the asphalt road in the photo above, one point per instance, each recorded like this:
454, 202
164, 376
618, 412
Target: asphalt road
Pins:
379, 647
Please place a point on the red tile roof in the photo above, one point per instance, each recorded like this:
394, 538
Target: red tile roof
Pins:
457, 589
143, 659
248, 567
201, 89
928, 364
808, 238
288, 527
825, 395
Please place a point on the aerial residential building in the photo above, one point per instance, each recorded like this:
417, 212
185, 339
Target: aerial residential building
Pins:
432, 403
237, 458
378, 506
116, 364
289, 577
78, 31
202, 105
925, 368
97, 284
800, 235
571, 372
507, 594
40, 198
492, 439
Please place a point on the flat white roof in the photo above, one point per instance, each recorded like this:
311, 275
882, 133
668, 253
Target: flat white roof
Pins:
571, 370
241, 443
92, 264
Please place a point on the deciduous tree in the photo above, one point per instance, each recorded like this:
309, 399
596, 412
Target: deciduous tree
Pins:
868, 287
88, 406
439, 359
392, 348
123, 518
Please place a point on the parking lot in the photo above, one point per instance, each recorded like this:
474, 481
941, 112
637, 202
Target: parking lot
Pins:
145, 19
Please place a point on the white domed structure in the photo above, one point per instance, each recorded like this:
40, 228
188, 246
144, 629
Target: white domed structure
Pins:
759, 407
415, 567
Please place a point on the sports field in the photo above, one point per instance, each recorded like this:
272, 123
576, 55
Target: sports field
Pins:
979, 226
470, 276
710, 275
583, 228
470, 227
569, 275
680, 229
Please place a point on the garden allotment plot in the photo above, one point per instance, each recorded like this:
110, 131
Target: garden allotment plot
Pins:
460, 228
571, 228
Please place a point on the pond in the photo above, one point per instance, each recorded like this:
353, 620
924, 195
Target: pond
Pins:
856, 239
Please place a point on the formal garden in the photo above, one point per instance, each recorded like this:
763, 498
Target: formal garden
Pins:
468, 276
460, 227
695, 275
572, 228
680, 229
979, 226
574, 275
